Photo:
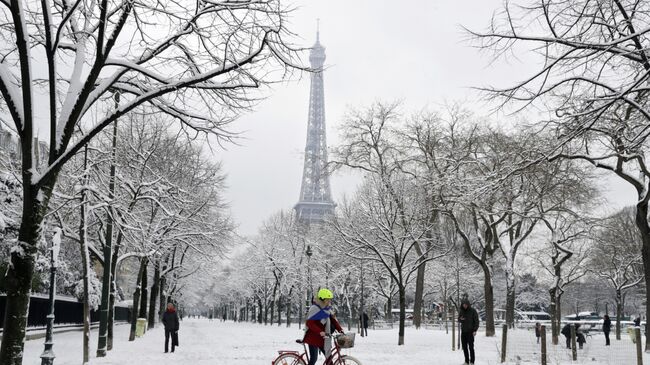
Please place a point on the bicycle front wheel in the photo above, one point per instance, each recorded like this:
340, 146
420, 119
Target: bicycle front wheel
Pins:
349, 360
288, 359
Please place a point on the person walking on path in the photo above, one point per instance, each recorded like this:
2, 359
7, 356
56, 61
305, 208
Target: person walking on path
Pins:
607, 326
538, 331
319, 324
469, 322
170, 321
364, 324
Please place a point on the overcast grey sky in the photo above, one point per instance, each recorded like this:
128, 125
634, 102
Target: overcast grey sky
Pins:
411, 50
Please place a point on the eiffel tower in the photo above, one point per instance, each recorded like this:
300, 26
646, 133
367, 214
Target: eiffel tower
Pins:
315, 194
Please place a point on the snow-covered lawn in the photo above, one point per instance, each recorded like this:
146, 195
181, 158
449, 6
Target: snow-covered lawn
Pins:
204, 342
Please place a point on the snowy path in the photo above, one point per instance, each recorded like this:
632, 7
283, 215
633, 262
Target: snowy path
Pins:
203, 342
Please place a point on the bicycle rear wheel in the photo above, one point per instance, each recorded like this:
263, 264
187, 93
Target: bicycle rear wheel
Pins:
288, 359
349, 360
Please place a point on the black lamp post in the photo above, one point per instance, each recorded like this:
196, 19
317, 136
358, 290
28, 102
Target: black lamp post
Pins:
47, 357
308, 252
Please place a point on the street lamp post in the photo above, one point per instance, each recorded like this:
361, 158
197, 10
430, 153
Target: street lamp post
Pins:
47, 358
308, 252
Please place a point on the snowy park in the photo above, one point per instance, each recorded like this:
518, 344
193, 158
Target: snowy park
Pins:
208, 181
204, 342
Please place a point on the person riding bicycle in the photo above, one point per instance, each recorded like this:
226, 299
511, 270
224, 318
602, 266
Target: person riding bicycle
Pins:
319, 325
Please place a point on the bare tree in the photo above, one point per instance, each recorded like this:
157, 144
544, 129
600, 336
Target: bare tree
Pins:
593, 79
563, 258
196, 53
372, 229
616, 257
371, 144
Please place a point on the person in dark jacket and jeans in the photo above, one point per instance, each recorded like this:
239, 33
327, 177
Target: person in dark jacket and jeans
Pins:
607, 326
364, 324
469, 321
170, 321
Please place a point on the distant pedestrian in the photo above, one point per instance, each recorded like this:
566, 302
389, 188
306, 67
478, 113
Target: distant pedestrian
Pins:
566, 331
607, 326
170, 321
538, 331
364, 324
637, 321
223, 317
580, 337
469, 322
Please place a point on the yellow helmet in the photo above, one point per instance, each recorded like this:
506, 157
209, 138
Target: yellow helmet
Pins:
325, 294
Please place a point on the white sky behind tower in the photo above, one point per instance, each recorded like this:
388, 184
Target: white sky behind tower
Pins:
412, 50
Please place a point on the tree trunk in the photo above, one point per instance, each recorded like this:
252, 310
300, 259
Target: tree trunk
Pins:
555, 321
558, 313
154, 296
389, 309
349, 308
279, 310
144, 289
402, 314
642, 224
136, 301
288, 304
102, 343
489, 302
510, 292
85, 269
162, 303
618, 313
111, 307
111, 315
419, 296
300, 310
18, 278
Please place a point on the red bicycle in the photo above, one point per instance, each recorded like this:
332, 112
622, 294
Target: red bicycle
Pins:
335, 358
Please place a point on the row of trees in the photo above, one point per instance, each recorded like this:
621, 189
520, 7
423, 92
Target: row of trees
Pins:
195, 64
526, 188
139, 199
447, 204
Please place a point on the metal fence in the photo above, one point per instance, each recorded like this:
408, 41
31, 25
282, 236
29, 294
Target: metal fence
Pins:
68, 310
521, 346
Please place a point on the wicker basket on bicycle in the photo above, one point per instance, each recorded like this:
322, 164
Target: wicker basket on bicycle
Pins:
346, 341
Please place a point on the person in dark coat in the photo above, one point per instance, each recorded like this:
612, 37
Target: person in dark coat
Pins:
469, 322
566, 331
580, 337
364, 324
607, 326
170, 321
637, 322
538, 331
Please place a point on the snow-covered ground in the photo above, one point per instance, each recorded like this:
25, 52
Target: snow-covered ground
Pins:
204, 342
